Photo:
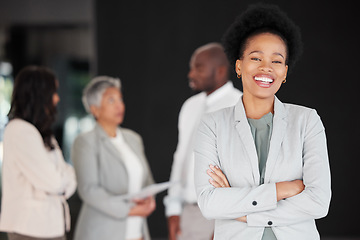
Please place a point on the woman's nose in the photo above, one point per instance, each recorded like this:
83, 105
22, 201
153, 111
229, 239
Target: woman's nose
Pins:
266, 66
120, 104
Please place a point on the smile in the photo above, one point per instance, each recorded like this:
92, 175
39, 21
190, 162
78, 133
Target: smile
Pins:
264, 79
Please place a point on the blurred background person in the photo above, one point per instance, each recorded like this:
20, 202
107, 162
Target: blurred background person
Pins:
110, 163
209, 74
36, 181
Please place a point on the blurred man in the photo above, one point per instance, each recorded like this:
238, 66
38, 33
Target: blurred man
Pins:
208, 74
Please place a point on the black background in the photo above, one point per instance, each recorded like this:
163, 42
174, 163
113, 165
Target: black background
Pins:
148, 45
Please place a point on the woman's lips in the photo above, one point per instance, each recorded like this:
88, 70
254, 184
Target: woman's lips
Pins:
263, 81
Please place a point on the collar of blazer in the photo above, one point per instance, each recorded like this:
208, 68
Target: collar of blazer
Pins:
105, 140
126, 133
134, 144
100, 131
279, 110
277, 136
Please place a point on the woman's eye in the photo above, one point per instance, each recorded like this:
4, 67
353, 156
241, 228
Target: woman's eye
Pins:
278, 62
255, 59
200, 69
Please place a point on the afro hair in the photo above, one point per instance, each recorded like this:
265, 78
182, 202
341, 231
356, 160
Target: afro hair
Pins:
262, 18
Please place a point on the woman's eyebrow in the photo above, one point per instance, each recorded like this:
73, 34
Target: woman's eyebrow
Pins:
279, 54
256, 51
275, 53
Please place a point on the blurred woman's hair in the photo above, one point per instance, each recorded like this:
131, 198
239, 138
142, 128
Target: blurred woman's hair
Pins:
95, 89
32, 100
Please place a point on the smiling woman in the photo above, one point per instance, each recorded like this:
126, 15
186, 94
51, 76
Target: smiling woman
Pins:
263, 69
267, 160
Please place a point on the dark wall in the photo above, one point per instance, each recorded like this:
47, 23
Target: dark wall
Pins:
148, 45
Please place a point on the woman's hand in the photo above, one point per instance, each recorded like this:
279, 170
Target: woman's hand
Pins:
242, 219
289, 189
143, 207
218, 178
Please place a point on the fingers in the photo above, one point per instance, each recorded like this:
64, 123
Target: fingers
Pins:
149, 202
143, 207
143, 200
152, 204
215, 179
214, 183
242, 219
218, 177
298, 186
218, 172
138, 201
289, 189
149, 207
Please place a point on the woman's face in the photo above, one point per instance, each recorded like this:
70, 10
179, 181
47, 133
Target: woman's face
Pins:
112, 108
262, 66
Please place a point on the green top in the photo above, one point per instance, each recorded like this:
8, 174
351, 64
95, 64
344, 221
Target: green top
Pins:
261, 130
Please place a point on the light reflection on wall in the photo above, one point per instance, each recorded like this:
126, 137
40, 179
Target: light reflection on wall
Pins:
6, 87
73, 126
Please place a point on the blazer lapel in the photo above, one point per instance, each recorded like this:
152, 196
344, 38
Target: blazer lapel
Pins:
277, 137
243, 128
105, 140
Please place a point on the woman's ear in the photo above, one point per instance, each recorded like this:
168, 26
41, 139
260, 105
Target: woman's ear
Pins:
285, 74
238, 67
95, 111
287, 69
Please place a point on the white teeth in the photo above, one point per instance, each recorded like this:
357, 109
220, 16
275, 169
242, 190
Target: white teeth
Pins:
264, 79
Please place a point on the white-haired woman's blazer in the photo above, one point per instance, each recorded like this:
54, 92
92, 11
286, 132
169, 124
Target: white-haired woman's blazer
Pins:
35, 184
103, 184
297, 151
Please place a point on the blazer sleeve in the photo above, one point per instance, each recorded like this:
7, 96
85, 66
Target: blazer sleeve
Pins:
224, 203
33, 159
174, 199
314, 201
71, 183
84, 157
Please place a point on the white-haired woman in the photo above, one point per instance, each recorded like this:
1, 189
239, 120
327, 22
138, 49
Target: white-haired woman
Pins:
110, 164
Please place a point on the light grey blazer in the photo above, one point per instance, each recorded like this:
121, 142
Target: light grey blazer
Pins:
297, 151
103, 183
